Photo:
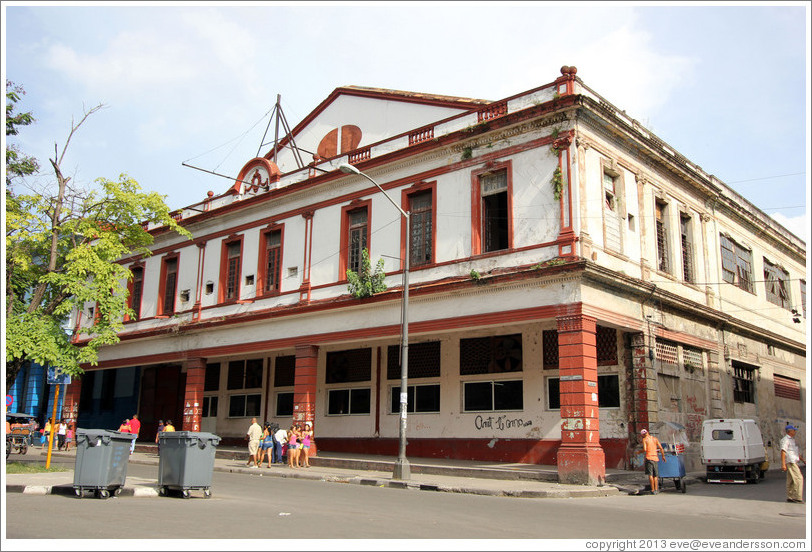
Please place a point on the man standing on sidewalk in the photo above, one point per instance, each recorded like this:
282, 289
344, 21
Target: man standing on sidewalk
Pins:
135, 427
790, 455
651, 445
254, 434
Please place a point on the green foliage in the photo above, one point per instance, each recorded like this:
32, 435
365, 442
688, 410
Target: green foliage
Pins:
557, 183
17, 163
475, 275
32, 467
366, 283
467, 153
62, 250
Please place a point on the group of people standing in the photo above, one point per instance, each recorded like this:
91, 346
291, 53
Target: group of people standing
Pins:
131, 425
277, 442
65, 433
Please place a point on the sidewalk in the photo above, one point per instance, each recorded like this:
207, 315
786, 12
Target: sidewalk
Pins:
439, 475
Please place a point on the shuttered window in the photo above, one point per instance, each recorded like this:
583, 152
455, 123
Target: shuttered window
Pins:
787, 388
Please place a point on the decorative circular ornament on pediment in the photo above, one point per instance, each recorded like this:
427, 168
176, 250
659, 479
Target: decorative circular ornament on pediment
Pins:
257, 173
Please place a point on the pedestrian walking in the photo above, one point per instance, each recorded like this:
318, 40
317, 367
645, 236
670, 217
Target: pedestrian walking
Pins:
69, 435
158, 435
61, 433
254, 434
651, 445
790, 456
135, 427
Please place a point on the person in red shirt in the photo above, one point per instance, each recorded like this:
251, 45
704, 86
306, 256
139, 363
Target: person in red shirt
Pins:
651, 445
135, 427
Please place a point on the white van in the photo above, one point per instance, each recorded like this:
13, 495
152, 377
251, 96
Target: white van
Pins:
733, 451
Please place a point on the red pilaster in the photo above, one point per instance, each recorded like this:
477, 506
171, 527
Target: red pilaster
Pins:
304, 388
70, 405
580, 458
193, 395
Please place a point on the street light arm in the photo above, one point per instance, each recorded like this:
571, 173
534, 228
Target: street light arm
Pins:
350, 169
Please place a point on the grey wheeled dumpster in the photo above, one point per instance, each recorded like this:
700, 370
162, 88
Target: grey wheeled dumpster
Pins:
101, 461
187, 461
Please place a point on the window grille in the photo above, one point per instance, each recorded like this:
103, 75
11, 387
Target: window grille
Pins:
662, 238
349, 366
357, 239
420, 205
743, 383
424, 360
233, 251
485, 355
273, 251
138, 288
666, 352
170, 287
606, 342
691, 359
549, 340
687, 252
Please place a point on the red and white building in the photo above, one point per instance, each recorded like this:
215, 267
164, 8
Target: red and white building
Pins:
573, 279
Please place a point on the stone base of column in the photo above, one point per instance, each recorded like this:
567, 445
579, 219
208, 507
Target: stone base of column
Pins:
581, 465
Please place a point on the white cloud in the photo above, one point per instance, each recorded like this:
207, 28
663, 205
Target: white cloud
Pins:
797, 225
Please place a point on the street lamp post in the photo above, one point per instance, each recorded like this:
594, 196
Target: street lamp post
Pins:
402, 469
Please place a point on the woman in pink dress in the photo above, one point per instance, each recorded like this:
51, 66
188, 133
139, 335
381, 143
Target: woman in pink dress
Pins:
293, 447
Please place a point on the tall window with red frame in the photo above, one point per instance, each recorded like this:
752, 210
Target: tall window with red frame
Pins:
357, 238
170, 285
233, 270
494, 193
137, 291
420, 220
273, 261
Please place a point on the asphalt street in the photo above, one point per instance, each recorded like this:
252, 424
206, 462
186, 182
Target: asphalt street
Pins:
256, 506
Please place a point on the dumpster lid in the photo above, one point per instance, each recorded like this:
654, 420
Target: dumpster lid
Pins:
94, 433
202, 435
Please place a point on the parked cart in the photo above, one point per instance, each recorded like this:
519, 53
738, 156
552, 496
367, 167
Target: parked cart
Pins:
672, 468
22, 430
674, 440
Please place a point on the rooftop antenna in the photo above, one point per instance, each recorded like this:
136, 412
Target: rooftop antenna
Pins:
280, 118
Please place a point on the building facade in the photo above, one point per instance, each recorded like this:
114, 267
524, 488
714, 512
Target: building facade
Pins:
572, 280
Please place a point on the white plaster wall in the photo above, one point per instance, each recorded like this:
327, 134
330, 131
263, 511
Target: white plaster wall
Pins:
378, 119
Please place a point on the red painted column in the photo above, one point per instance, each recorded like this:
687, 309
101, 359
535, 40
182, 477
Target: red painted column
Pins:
193, 394
580, 458
70, 404
304, 388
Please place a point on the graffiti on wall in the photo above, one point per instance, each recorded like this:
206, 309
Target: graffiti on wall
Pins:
500, 423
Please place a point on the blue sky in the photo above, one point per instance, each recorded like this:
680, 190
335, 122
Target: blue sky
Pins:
727, 85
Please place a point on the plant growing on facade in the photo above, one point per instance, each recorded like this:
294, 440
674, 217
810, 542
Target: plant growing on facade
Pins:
366, 283
558, 183
467, 153
475, 276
